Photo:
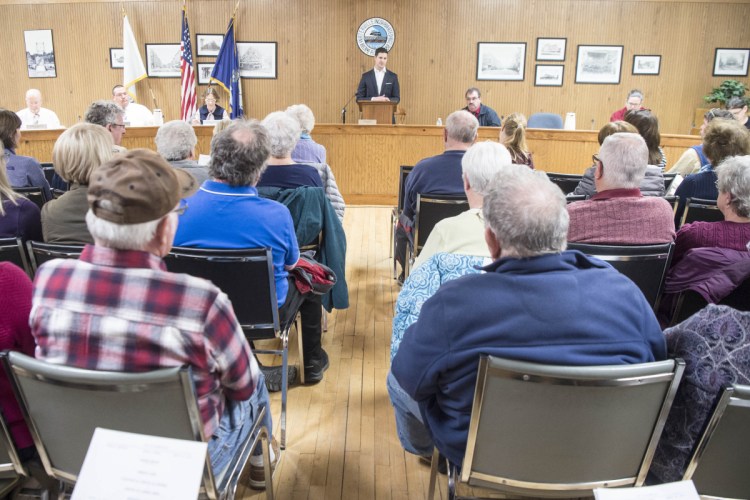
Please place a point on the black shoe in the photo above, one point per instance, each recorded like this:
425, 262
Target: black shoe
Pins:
315, 367
273, 376
442, 463
400, 279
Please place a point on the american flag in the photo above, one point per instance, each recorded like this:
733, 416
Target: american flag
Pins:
188, 96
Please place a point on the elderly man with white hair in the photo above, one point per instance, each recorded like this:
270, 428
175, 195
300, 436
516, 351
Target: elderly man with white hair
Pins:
34, 114
618, 213
175, 142
536, 302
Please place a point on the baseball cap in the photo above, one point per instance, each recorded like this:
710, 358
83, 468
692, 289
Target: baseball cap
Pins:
137, 186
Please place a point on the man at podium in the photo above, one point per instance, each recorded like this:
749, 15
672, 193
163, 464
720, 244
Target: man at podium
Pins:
379, 84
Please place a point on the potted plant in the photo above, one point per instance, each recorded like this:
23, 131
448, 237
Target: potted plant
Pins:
725, 91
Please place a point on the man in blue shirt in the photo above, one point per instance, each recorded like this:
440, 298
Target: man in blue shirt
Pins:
535, 303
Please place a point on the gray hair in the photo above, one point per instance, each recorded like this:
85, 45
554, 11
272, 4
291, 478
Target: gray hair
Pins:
526, 212
736, 103
462, 126
121, 236
303, 115
482, 161
635, 93
734, 178
239, 153
33, 92
284, 132
624, 158
175, 140
103, 113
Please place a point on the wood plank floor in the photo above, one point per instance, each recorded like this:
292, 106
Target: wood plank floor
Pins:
341, 441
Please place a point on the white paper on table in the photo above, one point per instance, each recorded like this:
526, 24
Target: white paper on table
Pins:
204, 159
681, 490
122, 465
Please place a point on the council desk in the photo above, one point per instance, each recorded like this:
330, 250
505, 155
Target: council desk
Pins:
365, 158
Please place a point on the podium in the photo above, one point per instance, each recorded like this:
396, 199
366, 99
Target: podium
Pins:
380, 111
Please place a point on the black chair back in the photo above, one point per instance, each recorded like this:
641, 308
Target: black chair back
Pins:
566, 182
431, 209
33, 193
574, 198
690, 302
668, 178
403, 173
700, 210
11, 250
40, 252
645, 265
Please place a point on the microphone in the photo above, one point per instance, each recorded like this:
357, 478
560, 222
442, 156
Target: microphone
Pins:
343, 110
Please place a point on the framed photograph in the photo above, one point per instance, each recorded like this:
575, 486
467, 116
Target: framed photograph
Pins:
116, 58
257, 59
204, 73
501, 61
599, 64
727, 62
549, 75
550, 49
208, 45
163, 60
646, 65
40, 54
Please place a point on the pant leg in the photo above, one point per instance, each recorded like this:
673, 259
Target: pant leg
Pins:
311, 314
402, 241
413, 434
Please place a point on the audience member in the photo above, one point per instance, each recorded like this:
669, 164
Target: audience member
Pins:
110, 116
693, 159
34, 114
648, 126
15, 335
175, 142
619, 213
282, 171
652, 183
19, 217
433, 375
228, 213
714, 343
210, 110
464, 233
634, 101
738, 107
22, 171
485, 115
77, 153
136, 115
513, 136
306, 150
439, 174
116, 308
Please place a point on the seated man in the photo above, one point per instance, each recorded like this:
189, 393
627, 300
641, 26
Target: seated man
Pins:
110, 116
175, 142
118, 309
535, 303
486, 116
464, 233
35, 114
439, 174
228, 213
634, 101
136, 115
619, 213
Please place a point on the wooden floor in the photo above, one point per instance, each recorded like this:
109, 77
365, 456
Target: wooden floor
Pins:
342, 441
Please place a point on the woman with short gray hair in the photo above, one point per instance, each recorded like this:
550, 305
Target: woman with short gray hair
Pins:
306, 150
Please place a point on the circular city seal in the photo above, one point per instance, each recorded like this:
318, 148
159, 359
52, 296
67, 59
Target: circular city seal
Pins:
374, 33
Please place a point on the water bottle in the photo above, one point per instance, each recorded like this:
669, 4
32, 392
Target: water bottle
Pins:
439, 122
158, 118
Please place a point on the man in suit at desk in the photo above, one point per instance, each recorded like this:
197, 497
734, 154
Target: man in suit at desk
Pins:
379, 84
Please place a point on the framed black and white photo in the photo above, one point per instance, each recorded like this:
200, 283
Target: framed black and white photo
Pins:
731, 62
550, 49
646, 65
549, 75
116, 58
204, 73
208, 45
501, 61
163, 60
599, 64
257, 59
40, 54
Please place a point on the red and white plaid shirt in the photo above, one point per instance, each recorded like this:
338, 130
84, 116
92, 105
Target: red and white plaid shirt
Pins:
121, 310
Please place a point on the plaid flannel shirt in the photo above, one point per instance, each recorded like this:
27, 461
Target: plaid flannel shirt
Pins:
121, 310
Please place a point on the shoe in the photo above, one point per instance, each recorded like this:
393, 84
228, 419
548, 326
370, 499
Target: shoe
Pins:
315, 367
442, 464
257, 479
400, 279
273, 376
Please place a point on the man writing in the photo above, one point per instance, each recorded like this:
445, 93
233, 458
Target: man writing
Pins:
486, 116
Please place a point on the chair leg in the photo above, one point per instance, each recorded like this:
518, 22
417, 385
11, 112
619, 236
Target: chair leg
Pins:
433, 473
284, 385
300, 350
267, 464
452, 477
325, 320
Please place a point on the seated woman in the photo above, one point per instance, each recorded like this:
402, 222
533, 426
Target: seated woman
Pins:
648, 126
513, 137
652, 183
77, 152
714, 343
693, 159
282, 171
210, 110
22, 171
19, 217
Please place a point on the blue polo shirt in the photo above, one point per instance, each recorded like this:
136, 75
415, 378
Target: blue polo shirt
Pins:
222, 216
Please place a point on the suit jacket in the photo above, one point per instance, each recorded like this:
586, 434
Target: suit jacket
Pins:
368, 86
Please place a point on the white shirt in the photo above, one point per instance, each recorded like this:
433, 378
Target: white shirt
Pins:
379, 76
45, 117
138, 115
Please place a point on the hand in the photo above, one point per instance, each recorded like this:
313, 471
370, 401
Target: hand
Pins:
380, 98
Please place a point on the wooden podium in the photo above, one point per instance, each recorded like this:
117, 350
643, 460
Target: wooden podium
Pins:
380, 111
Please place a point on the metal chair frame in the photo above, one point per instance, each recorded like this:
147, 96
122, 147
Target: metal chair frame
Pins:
12, 250
706, 210
40, 252
403, 173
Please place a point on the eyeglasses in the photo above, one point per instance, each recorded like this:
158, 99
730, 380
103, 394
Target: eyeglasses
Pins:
182, 208
117, 125
712, 112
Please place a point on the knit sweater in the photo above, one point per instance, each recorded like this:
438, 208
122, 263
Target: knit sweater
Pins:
724, 234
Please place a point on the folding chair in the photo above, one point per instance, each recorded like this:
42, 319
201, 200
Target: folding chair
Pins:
11, 250
40, 252
700, 210
33, 193
690, 302
566, 182
12, 469
403, 173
